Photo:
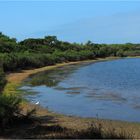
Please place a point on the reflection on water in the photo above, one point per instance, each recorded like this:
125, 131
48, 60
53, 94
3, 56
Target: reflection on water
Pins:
109, 89
53, 77
107, 96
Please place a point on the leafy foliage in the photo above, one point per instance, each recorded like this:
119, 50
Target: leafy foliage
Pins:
32, 53
9, 108
2, 79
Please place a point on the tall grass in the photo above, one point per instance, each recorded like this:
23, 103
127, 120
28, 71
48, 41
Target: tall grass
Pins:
94, 131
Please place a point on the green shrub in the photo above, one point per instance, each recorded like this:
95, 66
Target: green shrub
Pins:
34, 53
2, 79
9, 109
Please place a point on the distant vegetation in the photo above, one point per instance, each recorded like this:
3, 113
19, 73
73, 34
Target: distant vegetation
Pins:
33, 53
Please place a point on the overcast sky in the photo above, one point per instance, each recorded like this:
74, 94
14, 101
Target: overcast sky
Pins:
74, 21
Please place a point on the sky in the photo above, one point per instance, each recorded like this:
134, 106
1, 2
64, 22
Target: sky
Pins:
74, 21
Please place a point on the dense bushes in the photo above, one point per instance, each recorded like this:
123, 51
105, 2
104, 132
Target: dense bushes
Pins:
7, 44
2, 79
9, 109
16, 61
33, 53
9, 105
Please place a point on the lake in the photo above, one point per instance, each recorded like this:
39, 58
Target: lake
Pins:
107, 89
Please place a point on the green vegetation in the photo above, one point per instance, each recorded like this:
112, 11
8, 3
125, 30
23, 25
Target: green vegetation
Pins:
34, 53
9, 109
9, 104
2, 79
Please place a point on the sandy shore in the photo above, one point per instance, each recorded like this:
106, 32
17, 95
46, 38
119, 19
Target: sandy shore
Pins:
15, 79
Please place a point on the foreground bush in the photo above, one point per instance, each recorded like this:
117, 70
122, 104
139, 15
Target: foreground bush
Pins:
2, 79
9, 109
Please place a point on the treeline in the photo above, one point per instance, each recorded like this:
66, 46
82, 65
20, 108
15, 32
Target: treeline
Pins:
32, 53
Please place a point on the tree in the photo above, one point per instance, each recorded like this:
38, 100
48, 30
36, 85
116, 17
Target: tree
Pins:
89, 43
51, 41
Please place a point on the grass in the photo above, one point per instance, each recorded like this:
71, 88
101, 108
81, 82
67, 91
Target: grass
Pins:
36, 130
11, 88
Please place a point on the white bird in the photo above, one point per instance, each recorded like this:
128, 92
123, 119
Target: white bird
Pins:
37, 103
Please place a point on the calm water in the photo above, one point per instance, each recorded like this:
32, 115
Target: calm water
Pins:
109, 89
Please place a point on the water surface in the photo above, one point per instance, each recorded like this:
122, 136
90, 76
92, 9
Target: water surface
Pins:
109, 89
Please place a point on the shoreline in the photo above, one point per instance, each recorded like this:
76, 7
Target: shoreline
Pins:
23, 74
15, 79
